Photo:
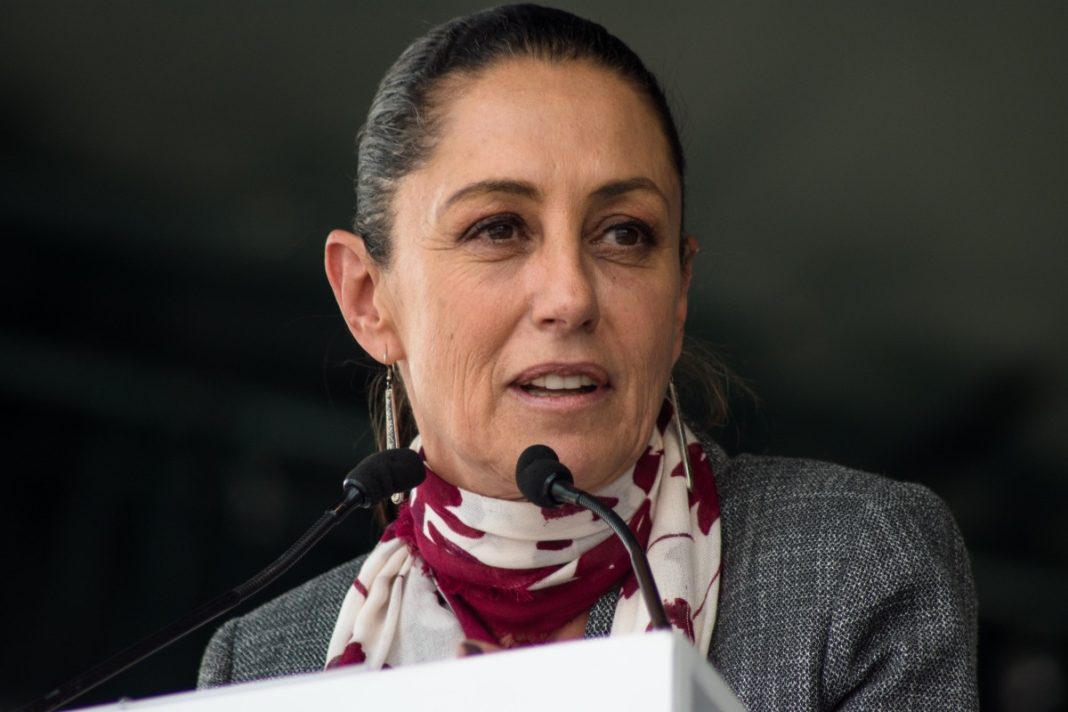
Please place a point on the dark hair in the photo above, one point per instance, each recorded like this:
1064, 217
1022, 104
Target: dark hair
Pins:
404, 119
401, 128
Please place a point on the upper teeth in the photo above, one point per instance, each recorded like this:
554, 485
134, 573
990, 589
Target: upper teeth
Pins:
554, 382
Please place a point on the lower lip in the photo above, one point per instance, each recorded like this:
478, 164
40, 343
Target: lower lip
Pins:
562, 403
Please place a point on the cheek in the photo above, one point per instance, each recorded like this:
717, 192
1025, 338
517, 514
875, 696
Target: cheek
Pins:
651, 341
452, 346
646, 313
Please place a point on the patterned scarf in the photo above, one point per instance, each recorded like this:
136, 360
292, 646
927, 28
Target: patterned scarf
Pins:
457, 565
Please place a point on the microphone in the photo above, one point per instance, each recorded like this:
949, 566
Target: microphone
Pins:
376, 477
547, 482
382, 475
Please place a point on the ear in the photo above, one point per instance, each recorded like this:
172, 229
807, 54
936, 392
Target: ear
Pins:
355, 278
689, 251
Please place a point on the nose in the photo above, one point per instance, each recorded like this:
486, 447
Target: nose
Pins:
563, 288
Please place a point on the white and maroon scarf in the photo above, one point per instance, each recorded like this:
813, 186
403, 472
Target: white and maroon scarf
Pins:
458, 565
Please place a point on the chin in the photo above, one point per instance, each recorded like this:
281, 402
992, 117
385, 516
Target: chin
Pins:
593, 467
596, 452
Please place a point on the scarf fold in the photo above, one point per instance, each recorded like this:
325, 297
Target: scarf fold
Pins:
457, 565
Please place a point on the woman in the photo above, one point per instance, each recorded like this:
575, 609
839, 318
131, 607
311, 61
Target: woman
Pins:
518, 261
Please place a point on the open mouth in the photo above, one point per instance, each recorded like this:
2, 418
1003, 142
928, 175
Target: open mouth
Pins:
554, 386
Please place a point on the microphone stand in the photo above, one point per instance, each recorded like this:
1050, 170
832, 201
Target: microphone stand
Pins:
200, 615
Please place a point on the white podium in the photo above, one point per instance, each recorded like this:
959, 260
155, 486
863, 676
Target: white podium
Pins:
649, 672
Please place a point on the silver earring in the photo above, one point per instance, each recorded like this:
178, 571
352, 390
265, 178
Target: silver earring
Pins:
390, 411
391, 426
681, 434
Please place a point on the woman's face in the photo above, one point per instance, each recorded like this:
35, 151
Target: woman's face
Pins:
535, 292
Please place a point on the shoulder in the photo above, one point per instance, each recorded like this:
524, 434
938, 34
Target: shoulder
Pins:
780, 499
851, 584
777, 503
286, 636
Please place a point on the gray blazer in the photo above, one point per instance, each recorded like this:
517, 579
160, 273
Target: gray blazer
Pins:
840, 591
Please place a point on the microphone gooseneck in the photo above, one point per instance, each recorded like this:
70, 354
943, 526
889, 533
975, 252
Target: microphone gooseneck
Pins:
547, 482
375, 478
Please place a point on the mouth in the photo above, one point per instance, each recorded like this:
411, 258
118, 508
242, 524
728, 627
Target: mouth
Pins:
555, 385
561, 381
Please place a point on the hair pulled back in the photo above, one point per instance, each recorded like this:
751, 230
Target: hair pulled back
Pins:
402, 124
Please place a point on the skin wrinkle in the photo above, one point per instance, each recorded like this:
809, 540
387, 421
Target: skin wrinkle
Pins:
491, 186
465, 317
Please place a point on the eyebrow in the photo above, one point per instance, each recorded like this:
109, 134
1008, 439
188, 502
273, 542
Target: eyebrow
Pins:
523, 189
620, 187
492, 185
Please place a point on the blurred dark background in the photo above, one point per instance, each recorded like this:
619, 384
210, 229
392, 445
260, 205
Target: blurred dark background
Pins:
880, 194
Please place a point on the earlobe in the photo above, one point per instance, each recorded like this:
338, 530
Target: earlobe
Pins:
354, 277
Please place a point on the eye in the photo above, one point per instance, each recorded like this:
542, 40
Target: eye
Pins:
499, 228
630, 234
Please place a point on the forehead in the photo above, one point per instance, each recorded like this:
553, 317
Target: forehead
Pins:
568, 124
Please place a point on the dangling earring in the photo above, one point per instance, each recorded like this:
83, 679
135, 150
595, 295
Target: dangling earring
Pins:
390, 411
681, 433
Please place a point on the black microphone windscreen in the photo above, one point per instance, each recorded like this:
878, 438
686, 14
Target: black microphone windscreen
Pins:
387, 472
535, 471
533, 454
